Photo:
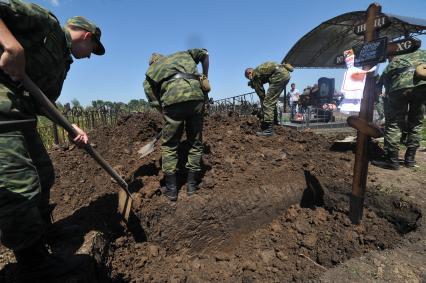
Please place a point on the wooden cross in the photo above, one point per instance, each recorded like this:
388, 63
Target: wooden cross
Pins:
375, 21
356, 203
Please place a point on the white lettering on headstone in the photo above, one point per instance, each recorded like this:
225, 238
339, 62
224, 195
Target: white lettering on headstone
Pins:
404, 45
379, 22
361, 28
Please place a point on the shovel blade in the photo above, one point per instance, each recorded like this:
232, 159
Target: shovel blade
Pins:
124, 204
348, 139
147, 149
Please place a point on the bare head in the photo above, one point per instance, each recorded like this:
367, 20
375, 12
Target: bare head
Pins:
248, 73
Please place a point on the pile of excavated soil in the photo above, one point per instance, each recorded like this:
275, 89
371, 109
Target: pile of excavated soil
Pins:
255, 218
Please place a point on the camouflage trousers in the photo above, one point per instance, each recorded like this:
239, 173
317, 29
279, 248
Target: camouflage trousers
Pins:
404, 111
277, 83
26, 175
380, 106
178, 117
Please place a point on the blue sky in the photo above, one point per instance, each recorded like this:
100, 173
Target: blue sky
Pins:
238, 34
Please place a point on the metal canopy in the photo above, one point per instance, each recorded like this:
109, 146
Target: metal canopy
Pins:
320, 47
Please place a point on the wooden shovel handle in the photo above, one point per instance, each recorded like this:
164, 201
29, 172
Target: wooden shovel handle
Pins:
58, 118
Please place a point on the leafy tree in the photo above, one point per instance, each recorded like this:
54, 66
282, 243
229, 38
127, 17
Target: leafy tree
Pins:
109, 104
138, 104
75, 103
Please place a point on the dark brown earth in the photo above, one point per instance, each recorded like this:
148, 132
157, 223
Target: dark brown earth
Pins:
254, 219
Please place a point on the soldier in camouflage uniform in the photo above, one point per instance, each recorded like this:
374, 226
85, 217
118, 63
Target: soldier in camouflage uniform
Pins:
33, 42
277, 76
405, 94
173, 86
380, 100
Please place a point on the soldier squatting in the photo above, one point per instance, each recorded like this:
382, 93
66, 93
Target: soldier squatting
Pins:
172, 85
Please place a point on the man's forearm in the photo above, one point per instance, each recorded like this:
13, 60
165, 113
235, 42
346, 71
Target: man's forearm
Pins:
260, 93
12, 56
205, 65
6, 37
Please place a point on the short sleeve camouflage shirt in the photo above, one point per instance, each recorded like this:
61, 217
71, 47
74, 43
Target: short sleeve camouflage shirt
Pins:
163, 91
399, 74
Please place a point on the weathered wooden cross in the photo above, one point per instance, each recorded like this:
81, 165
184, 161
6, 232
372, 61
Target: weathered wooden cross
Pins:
370, 29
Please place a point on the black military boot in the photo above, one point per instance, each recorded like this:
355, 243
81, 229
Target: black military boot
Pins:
171, 190
410, 155
390, 161
192, 185
276, 117
263, 126
268, 131
36, 264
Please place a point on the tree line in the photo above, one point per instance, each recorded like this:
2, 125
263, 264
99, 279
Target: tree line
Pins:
134, 105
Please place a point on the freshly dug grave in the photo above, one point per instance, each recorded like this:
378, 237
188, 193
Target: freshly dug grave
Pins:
254, 218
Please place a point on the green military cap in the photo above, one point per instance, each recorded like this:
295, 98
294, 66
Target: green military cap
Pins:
85, 24
155, 57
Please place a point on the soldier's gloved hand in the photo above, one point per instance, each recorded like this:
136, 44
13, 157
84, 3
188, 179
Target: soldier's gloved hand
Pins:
205, 84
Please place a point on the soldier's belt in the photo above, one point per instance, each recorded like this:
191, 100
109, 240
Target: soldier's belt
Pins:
185, 76
178, 76
16, 125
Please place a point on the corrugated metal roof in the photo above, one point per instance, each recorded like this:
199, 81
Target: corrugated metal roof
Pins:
320, 47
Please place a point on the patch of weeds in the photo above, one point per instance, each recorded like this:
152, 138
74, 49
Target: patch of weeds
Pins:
401, 203
385, 189
419, 169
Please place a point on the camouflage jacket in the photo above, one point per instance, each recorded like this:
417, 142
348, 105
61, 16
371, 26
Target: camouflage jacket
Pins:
47, 51
399, 74
262, 74
162, 91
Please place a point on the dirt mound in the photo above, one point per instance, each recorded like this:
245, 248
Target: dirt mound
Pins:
255, 218
298, 246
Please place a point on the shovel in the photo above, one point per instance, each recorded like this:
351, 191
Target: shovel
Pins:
13, 125
125, 198
149, 147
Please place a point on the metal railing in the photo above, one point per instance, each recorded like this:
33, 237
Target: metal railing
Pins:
317, 117
243, 104
308, 116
